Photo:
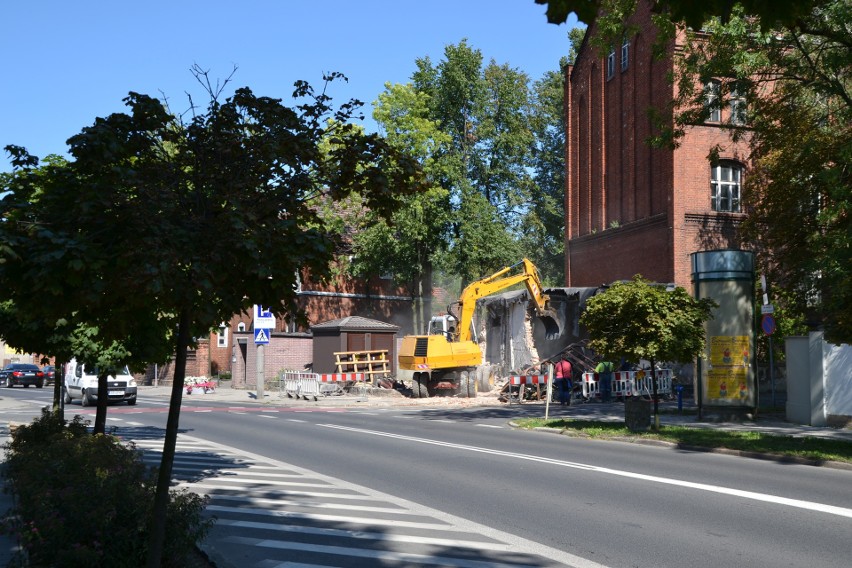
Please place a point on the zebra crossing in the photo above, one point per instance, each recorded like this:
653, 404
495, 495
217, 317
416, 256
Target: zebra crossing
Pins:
270, 514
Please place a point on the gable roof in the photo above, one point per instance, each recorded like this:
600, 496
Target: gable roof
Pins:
356, 323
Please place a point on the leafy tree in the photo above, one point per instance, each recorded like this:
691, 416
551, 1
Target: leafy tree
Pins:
183, 224
693, 13
63, 339
543, 234
636, 320
795, 87
487, 111
576, 36
405, 244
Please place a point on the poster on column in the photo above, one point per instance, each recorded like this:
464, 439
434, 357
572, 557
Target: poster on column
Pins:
727, 374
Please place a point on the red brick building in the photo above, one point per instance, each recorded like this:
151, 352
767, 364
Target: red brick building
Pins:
290, 346
629, 208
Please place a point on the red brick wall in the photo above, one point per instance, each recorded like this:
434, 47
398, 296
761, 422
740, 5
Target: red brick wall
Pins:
629, 208
284, 352
375, 298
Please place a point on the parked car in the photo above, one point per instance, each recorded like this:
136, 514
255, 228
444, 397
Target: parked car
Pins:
81, 382
49, 374
22, 374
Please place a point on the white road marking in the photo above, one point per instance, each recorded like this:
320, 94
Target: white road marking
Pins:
361, 534
441, 520
375, 556
776, 499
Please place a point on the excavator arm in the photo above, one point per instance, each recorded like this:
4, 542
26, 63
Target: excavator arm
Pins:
500, 281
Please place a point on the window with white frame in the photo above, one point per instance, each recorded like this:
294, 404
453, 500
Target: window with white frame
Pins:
725, 178
711, 100
625, 55
738, 103
222, 336
241, 326
610, 63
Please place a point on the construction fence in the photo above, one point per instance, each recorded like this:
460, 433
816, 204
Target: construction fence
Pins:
312, 386
624, 384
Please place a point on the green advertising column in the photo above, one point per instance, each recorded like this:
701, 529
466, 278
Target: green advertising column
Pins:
725, 378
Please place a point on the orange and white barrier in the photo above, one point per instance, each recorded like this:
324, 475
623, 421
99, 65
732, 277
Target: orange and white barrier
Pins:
517, 380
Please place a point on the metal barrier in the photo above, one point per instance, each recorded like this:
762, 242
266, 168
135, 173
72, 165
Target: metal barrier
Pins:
311, 386
644, 386
629, 383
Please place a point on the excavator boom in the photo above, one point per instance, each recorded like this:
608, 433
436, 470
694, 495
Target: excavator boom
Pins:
450, 361
499, 281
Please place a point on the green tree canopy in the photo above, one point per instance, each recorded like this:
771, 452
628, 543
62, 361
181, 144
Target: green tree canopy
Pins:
636, 320
795, 88
185, 223
693, 13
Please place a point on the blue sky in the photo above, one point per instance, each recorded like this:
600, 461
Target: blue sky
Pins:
66, 63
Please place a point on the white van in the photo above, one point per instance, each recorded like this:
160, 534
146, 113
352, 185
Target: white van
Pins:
82, 383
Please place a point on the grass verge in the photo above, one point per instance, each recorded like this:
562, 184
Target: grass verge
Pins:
809, 448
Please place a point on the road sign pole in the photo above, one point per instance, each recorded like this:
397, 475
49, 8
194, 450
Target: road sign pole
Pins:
260, 365
771, 374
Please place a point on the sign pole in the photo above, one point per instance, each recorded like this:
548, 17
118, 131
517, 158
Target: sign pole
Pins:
549, 391
260, 366
264, 324
771, 374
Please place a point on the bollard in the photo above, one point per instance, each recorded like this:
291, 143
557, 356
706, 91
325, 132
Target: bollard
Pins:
679, 390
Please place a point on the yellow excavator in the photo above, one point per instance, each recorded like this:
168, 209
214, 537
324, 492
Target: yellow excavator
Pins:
446, 359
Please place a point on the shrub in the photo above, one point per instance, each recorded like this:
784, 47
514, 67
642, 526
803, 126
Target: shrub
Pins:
86, 500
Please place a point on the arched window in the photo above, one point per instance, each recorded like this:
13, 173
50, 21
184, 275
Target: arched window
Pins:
241, 326
725, 183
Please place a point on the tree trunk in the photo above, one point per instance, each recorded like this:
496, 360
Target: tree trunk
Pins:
58, 383
103, 390
157, 527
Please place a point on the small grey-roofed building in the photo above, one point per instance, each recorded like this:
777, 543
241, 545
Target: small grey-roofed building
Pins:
352, 333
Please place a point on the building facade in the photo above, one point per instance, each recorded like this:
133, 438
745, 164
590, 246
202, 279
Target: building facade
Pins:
630, 208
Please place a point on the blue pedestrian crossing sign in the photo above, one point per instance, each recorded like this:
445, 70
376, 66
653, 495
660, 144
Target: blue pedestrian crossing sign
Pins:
261, 336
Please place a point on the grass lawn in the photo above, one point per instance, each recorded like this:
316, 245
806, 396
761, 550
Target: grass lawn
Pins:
817, 449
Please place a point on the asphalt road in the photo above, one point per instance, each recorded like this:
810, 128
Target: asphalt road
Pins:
547, 500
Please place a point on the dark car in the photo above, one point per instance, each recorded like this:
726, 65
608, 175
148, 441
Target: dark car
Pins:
22, 374
49, 374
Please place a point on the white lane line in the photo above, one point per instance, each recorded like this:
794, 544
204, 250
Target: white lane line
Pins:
366, 535
776, 499
296, 420
265, 416
303, 517
375, 556
490, 426
242, 499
